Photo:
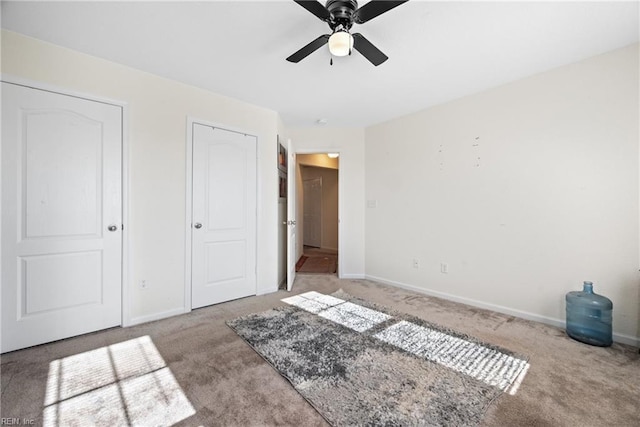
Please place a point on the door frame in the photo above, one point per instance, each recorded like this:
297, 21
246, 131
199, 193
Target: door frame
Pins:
326, 150
189, 200
127, 270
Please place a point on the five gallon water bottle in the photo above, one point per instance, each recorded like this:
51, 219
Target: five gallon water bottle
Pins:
589, 316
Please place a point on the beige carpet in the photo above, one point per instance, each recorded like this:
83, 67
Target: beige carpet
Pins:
195, 370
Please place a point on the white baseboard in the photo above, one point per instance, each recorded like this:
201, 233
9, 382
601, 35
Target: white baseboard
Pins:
157, 316
626, 339
353, 276
617, 337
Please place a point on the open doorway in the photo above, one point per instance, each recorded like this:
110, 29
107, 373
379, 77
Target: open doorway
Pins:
317, 199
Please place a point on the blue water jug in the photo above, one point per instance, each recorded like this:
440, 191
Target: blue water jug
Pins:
589, 316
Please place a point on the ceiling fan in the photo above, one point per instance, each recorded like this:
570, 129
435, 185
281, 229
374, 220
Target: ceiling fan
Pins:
341, 15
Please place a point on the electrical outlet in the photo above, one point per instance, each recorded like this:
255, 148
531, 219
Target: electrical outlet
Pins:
143, 284
444, 268
416, 264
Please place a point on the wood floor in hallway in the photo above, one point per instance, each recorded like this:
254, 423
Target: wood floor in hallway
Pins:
317, 261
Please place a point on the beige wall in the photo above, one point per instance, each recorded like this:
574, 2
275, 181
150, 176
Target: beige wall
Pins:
524, 191
157, 115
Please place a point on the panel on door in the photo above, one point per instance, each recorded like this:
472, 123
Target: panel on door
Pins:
61, 190
224, 216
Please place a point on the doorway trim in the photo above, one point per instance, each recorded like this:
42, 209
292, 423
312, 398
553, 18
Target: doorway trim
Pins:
126, 278
189, 200
326, 150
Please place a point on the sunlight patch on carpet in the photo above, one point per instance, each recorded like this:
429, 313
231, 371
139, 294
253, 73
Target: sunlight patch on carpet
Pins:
354, 316
127, 383
345, 313
313, 302
475, 360
482, 363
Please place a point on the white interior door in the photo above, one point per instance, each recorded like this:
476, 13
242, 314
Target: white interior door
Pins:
292, 256
312, 212
223, 216
61, 216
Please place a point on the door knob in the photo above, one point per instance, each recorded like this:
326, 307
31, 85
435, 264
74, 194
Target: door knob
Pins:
197, 225
112, 227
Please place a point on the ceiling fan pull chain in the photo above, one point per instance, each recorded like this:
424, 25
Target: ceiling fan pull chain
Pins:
331, 61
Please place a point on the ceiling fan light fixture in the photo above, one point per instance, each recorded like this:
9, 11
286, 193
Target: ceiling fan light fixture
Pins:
340, 43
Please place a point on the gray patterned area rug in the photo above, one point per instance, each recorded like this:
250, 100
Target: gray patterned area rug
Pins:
358, 363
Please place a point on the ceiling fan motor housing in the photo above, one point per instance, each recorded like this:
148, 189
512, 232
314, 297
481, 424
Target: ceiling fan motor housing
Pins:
341, 13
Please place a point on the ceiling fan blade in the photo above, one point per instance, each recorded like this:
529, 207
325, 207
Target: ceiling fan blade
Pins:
316, 8
368, 50
309, 49
374, 8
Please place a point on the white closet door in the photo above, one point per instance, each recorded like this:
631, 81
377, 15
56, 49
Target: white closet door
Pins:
224, 216
61, 216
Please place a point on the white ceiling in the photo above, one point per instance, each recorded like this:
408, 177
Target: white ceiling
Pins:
438, 51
